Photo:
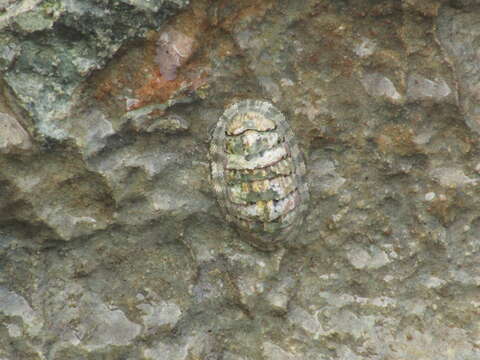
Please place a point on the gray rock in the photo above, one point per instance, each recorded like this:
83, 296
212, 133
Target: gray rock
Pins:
280, 294
365, 48
272, 351
9, 52
361, 258
49, 72
112, 244
377, 85
421, 88
160, 314
324, 177
14, 305
452, 177
82, 318
459, 35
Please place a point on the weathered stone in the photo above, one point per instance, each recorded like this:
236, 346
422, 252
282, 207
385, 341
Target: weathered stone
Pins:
50, 71
12, 135
421, 88
459, 34
380, 86
158, 315
365, 48
452, 177
111, 243
13, 305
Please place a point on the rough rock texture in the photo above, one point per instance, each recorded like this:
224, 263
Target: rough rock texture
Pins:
49, 47
111, 243
459, 34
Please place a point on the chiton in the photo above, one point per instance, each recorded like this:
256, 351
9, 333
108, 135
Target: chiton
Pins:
258, 173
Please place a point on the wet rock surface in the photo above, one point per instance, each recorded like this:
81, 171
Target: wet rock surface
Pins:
111, 241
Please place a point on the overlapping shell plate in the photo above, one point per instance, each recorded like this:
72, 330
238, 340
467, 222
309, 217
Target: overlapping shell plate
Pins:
258, 173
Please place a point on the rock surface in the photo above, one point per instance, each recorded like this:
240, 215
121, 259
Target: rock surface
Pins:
111, 243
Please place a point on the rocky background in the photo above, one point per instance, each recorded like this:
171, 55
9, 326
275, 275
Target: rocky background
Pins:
112, 245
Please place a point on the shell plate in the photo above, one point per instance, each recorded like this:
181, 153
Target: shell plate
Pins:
258, 173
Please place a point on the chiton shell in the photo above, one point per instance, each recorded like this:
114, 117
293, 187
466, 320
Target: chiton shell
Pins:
258, 173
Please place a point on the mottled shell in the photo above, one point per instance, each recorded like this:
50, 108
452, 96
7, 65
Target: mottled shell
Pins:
258, 173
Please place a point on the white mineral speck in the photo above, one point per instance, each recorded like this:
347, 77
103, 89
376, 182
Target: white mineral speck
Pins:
423, 138
303, 319
429, 196
451, 177
361, 258
131, 102
378, 85
286, 82
14, 330
12, 135
173, 50
433, 282
272, 351
162, 313
96, 131
365, 48
421, 88
12, 304
166, 351
477, 168
388, 278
